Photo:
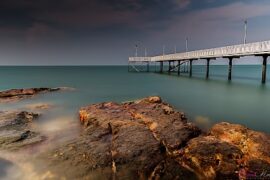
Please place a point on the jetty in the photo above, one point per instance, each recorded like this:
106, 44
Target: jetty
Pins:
186, 59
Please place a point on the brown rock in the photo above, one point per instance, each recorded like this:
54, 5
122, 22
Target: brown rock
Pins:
148, 139
255, 145
131, 139
15, 119
154, 99
18, 94
229, 151
15, 131
211, 158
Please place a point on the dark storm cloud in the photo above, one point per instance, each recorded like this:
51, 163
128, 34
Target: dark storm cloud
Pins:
69, 15
82, 29
79, 17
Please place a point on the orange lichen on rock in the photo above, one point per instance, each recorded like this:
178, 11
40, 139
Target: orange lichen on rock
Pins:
255, 145
83, 115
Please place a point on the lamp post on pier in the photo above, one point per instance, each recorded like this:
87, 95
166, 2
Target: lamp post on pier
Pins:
245, 35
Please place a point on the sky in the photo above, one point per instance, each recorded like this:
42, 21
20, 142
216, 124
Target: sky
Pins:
104, 32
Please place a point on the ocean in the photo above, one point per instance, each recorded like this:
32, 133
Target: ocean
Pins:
244, 100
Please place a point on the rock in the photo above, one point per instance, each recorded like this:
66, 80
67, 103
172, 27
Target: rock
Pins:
15, 130
167, 110
130, 140
149, 139
154, 99
39, 106
229, 151
255, 145
211, 158
18, 94
12, 119
171, 169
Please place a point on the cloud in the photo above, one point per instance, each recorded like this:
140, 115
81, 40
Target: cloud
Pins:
88, 14
232, 12
98, 24
215, 26
182, 3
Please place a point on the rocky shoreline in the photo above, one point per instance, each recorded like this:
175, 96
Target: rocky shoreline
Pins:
142, 139
15, 126
148, 139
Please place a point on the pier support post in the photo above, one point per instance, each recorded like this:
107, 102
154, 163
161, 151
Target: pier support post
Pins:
178, 70
147, 66
207, 67
264, 65
161, 66
169, 70
190, 68
230, 69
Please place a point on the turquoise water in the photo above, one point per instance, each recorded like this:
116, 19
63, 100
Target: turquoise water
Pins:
244, 100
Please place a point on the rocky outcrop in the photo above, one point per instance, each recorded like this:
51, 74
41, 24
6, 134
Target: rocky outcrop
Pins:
15, 131
229, 151
18, 94
149, 139
131, 140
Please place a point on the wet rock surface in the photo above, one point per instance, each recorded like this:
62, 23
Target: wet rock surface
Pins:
15, 131
18, 94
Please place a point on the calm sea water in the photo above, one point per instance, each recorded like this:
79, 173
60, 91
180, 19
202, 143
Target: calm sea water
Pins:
244, 100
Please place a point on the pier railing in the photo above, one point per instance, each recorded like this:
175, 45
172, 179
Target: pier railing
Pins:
139, 59
256, 48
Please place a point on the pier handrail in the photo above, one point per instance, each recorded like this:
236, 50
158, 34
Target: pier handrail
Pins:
256, 48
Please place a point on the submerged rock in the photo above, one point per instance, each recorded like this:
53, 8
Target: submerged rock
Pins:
15, 131
39, 106
18, 94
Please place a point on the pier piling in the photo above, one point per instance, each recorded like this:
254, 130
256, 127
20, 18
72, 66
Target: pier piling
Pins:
264, 65
190, 68
230, 69
207, 67
178, 70
169, 70
161, 67
148, 67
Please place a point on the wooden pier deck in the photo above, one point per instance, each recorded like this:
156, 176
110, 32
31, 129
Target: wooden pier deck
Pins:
229, 52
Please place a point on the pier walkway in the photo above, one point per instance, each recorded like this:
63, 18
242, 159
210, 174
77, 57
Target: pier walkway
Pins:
230, 52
